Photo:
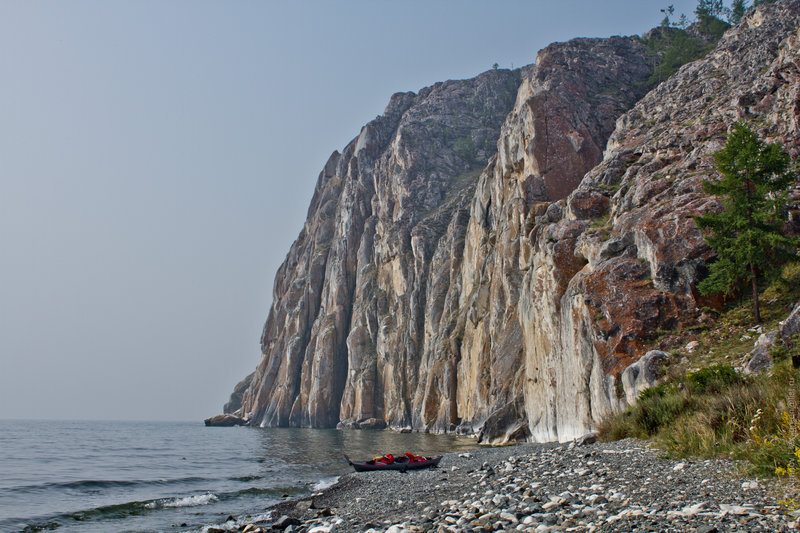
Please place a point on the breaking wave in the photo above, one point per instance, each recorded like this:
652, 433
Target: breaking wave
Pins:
188, 501
325, 483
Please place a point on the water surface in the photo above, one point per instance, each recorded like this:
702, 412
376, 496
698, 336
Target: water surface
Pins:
158, 476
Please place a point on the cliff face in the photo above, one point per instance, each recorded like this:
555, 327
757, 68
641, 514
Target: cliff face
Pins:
472, 262
565, 111
345, 334
619, 258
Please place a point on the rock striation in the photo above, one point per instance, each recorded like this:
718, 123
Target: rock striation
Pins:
345, 336
489, 255
619, 258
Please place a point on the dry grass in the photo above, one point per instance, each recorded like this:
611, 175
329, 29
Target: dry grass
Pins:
707, 409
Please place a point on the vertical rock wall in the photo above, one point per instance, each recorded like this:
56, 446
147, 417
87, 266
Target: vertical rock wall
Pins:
345, 335
475, 262
617, 261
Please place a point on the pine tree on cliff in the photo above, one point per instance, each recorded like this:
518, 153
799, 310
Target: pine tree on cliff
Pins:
738, 9
707, 9
746, 234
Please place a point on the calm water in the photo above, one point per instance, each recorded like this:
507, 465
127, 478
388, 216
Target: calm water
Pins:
142, 476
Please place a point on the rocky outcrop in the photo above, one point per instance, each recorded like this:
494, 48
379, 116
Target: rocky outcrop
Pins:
643, 374
760, 359
790, 327
225, 421
490, 254
587, 83
235, 401
345, 336
618, 260
379, 310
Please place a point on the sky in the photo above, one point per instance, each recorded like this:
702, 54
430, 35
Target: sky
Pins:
157, 159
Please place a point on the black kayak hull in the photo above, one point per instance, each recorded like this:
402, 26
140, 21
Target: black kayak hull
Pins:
403, 466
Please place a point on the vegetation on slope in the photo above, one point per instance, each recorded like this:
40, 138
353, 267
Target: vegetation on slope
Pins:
706, 408
747, 233
677, 42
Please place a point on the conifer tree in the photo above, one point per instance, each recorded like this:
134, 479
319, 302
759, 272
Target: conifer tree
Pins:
746, 234
738, 9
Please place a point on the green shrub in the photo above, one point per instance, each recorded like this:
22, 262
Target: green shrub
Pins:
712, 379
655, 411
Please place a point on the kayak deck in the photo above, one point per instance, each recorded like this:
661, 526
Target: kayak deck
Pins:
401, 464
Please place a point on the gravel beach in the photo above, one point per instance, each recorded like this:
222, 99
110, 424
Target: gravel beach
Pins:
617, 486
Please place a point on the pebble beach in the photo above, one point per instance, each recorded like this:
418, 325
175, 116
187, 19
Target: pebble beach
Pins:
602, 487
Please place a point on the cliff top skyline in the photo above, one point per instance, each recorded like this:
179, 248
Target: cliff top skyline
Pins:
158, 161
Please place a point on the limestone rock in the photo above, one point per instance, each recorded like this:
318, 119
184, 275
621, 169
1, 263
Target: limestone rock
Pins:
358, 301
517, 237
759, 358
585, 440
790, 327
643, 374
509, 345
506, 425
591, 307
235, 401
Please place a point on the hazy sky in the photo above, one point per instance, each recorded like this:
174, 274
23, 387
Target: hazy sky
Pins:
157, 159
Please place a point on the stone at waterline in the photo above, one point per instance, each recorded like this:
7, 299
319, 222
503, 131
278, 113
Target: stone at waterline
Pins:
367, 423
285, 521
225, 421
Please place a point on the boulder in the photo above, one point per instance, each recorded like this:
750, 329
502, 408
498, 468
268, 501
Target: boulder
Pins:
507, 425
692, 346
759, 358
372, 423
285, 521
585, 440
643, 374
791, 326
225, 421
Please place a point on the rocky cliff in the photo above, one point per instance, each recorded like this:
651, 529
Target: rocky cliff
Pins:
489, 254
617, 261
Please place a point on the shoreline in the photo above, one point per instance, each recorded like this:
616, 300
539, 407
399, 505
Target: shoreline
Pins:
622, 485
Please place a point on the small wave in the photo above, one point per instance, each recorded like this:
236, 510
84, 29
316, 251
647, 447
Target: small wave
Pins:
109, 512
188, 501
245, 478
92, 484
275, 492
120, 510
265, 517
43, 526
230, 525
325, 484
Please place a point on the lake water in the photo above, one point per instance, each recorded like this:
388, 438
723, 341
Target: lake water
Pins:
158, 476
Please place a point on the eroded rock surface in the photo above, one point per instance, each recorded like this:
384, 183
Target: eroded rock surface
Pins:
346, 335
476, 262
643, 374
619, 258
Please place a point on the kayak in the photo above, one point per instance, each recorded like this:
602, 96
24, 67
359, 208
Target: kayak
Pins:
402, 463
